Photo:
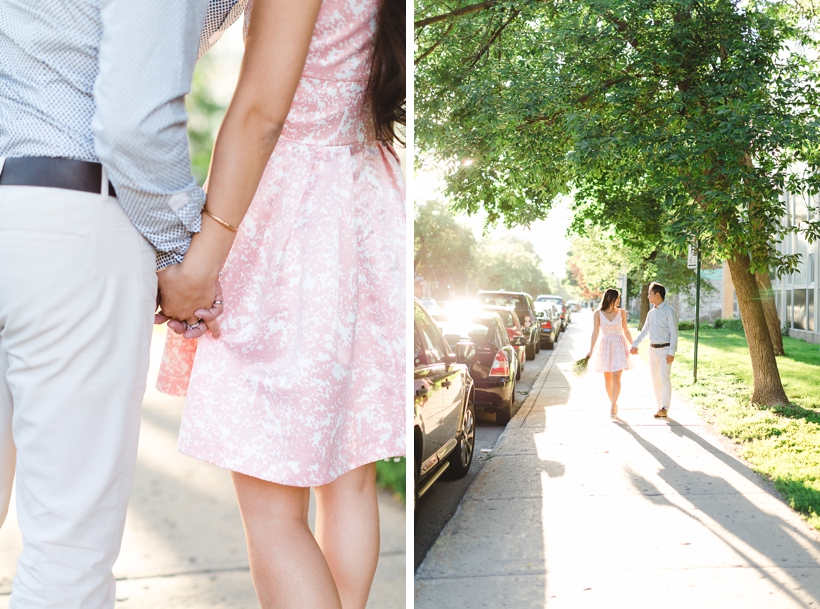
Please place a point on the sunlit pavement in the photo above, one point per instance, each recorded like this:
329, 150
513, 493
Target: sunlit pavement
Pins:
576, 510
184, 547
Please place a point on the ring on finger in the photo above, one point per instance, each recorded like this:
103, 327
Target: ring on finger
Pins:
196, 325
218, 302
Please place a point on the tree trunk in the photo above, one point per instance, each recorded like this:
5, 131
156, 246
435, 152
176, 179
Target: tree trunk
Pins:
768, 389
644, 305
764, 286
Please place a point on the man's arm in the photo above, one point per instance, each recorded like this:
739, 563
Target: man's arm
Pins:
147, 55
672, 320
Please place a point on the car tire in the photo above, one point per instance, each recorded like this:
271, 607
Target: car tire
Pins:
462, 456
504, 414
531, 351
538, 344
550, 346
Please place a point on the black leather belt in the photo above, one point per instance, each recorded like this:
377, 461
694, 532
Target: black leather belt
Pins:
53, 172
659, 346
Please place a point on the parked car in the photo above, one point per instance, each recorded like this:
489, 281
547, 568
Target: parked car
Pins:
443, 404
429, 304
549, 319
495, 366
566, 314
514, 328
574, 305
522, 303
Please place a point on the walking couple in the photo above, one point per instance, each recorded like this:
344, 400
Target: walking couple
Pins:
611, 354
303, 384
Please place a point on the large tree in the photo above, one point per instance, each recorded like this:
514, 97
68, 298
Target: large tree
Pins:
711, 104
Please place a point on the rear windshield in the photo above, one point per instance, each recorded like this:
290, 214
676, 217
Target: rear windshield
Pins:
555, 301
503, 300
455, 331
506, 318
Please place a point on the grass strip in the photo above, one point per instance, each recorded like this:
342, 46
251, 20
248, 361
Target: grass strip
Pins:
391, 474
782, 443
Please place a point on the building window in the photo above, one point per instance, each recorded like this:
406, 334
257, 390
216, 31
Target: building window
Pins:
799, 305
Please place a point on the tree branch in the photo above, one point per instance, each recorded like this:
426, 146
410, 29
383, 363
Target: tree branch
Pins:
495, 35
424, 55
459, 12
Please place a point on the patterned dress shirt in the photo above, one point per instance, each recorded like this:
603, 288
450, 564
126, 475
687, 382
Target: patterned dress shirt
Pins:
105, 81
662, 327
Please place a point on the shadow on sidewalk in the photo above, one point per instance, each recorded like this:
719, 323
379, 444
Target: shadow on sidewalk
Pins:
771, 541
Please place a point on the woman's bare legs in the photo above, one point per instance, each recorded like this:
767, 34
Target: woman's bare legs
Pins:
287, 565
615, 392
608, 383
347, 529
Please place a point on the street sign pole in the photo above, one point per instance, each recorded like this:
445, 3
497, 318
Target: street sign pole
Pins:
697, 316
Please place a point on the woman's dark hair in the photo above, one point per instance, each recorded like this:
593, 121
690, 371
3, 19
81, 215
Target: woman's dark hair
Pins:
387, 86
611, 296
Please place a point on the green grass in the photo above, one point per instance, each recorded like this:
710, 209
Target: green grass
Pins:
782, 443
390, 475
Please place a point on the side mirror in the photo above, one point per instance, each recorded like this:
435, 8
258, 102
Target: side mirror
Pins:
450, 358
466, 353
519, 341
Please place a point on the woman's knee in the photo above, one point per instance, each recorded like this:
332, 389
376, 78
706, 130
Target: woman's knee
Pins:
259, 497
361, 480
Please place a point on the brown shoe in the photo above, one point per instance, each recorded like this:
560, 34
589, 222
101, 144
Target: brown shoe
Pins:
661, 414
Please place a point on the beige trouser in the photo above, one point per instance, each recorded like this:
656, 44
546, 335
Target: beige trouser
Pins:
660, 370
77, 294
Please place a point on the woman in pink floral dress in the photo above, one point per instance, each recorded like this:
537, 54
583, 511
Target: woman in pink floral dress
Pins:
610, 355
302, 384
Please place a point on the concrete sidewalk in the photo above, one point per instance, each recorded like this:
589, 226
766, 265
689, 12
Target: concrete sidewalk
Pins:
184, 547
576, 510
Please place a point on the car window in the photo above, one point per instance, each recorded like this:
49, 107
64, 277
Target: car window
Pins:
502, 333
507, 318
476, 331
432, 345
419, 356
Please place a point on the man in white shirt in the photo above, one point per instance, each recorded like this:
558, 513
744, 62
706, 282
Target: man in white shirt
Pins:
662, 327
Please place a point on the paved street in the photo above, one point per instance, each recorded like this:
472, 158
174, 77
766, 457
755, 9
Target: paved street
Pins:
184, 547
575, 510
438, 505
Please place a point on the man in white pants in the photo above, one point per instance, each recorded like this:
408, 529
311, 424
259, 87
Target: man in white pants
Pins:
90, 90
662, 328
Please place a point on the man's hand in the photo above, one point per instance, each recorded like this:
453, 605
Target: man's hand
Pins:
182, 295
634, 351
670, 359
208, 317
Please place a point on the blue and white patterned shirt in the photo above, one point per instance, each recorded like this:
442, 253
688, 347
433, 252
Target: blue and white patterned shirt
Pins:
662, 327
105, 81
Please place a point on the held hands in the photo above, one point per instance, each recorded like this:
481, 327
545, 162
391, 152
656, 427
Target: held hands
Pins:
190, 304
634, 351
670, 359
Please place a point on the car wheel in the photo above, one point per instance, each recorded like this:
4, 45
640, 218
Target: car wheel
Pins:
462, 456
518, 374
538, 344
504, 414
550, 346
531, 351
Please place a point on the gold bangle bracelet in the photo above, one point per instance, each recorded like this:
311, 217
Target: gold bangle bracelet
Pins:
220, 220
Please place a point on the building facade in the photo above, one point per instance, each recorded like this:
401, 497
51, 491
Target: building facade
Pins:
796, 294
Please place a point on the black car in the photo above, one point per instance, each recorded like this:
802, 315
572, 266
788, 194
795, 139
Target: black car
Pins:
558, 301
523, 305
550, 322
494, 366
443, 405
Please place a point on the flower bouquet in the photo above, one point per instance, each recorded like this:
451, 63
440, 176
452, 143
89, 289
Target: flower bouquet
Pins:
579, 368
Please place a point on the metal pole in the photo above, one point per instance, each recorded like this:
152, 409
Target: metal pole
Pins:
697, 315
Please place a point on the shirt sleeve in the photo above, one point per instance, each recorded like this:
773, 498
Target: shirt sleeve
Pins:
147, 55
672, 319
645, 331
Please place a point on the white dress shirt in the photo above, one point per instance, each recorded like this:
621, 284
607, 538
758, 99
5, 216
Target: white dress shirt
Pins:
662, 327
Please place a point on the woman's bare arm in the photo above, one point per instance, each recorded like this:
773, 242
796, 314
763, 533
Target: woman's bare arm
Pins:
276, 48
596, 322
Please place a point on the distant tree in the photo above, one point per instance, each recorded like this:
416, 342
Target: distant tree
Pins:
444, 249
511, 264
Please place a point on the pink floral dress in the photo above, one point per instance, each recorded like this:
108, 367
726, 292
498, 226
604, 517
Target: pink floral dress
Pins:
611, 352
307, 380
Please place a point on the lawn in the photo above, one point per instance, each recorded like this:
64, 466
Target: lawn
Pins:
390, 475
783, 443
